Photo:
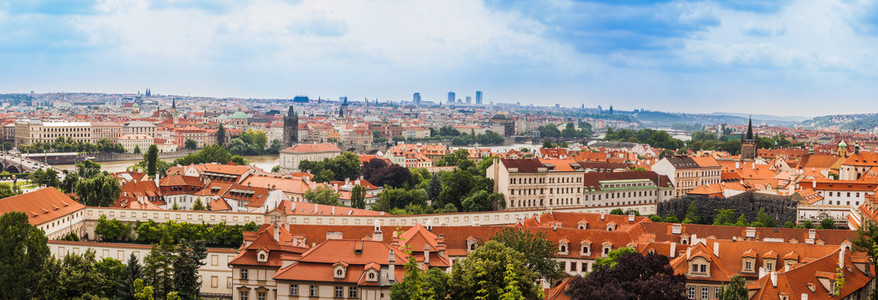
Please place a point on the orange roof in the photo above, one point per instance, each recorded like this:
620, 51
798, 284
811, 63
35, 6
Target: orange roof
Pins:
705, 161
322, 147
41, 206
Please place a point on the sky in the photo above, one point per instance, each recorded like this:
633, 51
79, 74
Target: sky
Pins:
781, 57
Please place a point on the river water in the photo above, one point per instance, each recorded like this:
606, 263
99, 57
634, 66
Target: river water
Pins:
265, 162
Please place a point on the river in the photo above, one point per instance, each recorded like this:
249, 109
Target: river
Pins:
265, 162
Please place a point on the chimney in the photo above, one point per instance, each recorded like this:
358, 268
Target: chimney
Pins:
786, 268
804, 296
429, 225
716, 248
673, 249
737, 165
391, 266
277, 233
555, 226
333, 211
426, 254
812, 234
750, 232
773, 278
602, 216
814, 184
631, 217
762, 272
688, 253
841, 252
676, 228
377, 235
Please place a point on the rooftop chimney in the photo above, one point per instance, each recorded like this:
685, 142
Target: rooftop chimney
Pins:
391, 268
716, 248
676, 228
426, 254
673, 249
773, 278
631, 217
277, 233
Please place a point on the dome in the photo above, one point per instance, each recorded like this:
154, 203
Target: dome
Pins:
842, 144
500, 116
239, 115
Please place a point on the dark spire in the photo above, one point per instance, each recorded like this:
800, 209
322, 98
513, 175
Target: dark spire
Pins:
291, 113
750, 128
174, 103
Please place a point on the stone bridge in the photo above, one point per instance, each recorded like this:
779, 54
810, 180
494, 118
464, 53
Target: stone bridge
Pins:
17, 164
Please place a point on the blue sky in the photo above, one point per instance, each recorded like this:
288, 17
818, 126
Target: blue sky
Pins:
778, 57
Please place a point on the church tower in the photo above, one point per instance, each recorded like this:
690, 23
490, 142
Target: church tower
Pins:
749, 143
291, 128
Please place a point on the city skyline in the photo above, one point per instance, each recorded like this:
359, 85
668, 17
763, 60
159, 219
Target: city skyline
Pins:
782, 58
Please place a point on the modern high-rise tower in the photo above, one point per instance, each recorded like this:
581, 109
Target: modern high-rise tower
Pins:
469, 100
451, 97
478, 97
416, 98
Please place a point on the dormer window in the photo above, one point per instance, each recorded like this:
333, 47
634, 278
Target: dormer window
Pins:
372, 276
262, 256
611, 226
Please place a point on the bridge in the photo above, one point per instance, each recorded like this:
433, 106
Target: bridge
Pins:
18, 164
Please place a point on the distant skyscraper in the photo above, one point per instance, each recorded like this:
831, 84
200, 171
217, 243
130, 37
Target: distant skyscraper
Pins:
469, 100
478, 97
416, 98
451, 97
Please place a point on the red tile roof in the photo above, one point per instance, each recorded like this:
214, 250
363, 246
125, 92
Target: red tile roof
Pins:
41, 206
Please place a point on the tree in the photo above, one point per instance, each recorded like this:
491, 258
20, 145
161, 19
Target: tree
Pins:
613, 257
102, 190
735, 290
867, 241
414, 285
725, 217
378, 172
692, 215
322, 195
634, 276
133, 273
142, 292
221, 135
344, 166
358, 197
198, 205
88, 169
137, 149
152, 155
189, 257
482, 274
157, 267
391, 198
24, 255
765, 219
435, 187
9, 190
275, 169
190, 144
827, 223
483, 201
538, 251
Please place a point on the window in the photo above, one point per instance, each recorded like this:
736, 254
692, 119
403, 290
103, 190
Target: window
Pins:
748, 265
704, 294
716, 292
769, 266
294, 290
244, 295
260, 296
691, 292
243, 274
352, 292
313, 292
703, 268
694, 267
339, 292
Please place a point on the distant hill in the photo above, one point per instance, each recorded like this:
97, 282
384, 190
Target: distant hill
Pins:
678, 120
844, 122
762, 117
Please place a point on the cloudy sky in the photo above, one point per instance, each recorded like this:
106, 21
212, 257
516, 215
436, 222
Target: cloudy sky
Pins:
779, 57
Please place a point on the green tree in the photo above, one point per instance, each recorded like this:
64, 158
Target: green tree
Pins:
157, 267
137, 149
613, 257
189, 257
538, 251
143, 292
9, 190
88, 169
23, 255
198, 205
692, 215
358, 197
435, 187
322, 195
735, 290
765, 219
414, 285
511, 290
482, 274
190, 144
391, 198
133, 273
102, 190
725, 217
484, 201
827, 223
221, 135
275, 169
152, 155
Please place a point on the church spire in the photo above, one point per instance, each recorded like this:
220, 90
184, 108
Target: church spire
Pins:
750, 128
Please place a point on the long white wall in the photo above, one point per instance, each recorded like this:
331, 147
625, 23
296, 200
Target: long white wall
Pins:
215, 274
